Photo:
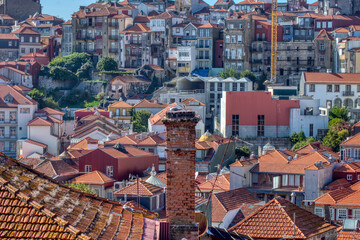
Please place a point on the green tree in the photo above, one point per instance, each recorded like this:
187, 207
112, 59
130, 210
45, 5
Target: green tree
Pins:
229, 72
107, 64
140, 120
84, 71
302, 143
248, 75
242, 152
62, 74
81, 187
334, 138
72, 62
297, 137
43, 100
339, 112
37, 96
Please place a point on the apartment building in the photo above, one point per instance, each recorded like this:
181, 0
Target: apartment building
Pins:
9, 46
324, 52
66, 41
236, 40
29, 40
16, 110
207, 35
45, 24
5, 23
96, 28
134, 43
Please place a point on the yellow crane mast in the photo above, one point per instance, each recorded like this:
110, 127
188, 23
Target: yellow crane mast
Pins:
273, 40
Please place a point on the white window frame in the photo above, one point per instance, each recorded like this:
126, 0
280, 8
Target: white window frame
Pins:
339, 214
349, 177
88, 168
332, 211
356, 213
110, 171
319, 211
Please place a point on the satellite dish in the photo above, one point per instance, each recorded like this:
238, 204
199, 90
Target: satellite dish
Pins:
201, 219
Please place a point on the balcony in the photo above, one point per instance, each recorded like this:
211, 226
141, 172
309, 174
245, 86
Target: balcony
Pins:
184, 69
81, 37
202, 57
203, 46
348, 93
256, 50
135, 42
113, 24
114, 37
114, 50
90, 37
7, 122
8, 136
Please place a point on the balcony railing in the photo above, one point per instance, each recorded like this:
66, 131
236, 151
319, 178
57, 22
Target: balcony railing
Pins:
113, 24
348, 93
256, 61
203, 57
8, 136
90, 37
8, 122
114, 37
184, 69
135, 42
114, 50
8, 150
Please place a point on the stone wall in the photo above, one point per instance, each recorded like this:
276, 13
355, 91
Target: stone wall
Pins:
93, 87
20, 9
51, 84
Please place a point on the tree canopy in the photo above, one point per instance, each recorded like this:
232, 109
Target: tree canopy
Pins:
339, 112
140, 121
107, 64
42, 98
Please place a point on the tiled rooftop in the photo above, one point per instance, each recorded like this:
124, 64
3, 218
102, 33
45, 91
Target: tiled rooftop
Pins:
35, 206
275, 220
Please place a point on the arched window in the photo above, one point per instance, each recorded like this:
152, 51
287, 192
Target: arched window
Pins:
357, 103
349, 103
337, 102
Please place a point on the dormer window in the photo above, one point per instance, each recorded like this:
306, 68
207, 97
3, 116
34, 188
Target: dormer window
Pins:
8, 98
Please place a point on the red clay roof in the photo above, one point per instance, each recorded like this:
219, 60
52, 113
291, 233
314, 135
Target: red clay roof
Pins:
157, 118
338, 183
147, 104
120, 104
53, 210
355, 186
21, 88
141, 187
138, 28
55, 168
9, 36
221, 185
210, 25
188, 101
50, 111
83, 144
324, 35
333, 197
26, 30
94, 178
18, 97
230, 200
39, 122
353, 167
353, 141
275, 220
317, 77
36, 143
348, 235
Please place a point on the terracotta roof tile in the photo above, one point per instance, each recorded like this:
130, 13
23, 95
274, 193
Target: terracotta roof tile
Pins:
324, 35
275, 220
125, 140
147, 104
18, 97
120, 104
355, 186
8, 36
39, 122
157, 118
41, 208
230, 200
338, 183
353, 141
348, 235
26, 30
138, 28
353, 167
221, 185
95, 178
317, 77
192, 102
36, 143
144, 189
333, 197
51, 111
210, 25
55, 168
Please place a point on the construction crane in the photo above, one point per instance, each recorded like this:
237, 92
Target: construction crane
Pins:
274, 13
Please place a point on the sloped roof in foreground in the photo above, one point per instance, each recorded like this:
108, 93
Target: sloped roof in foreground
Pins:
35, 206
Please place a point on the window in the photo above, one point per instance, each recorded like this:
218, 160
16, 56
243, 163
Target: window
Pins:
22, 39
177, 30
88, 168
349, 177
2, 116
235, 125
291, 180
337, 88
233, 38
255, 178
22, 50
323, 24
13, 116
311, 130
319, 212
124, 112
332, 214
10, 43
12, 132
297, 180
312, 87
12, 146
239, 38
318, 24
2, 146
2, 132
234, 87
342, 214
329, 24
358, 88
261, 127
322, 58
231, 26
110, 171
322, 46
31, 50
356, 213
285, 180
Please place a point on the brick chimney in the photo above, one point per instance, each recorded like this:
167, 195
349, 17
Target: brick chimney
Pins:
180, 169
